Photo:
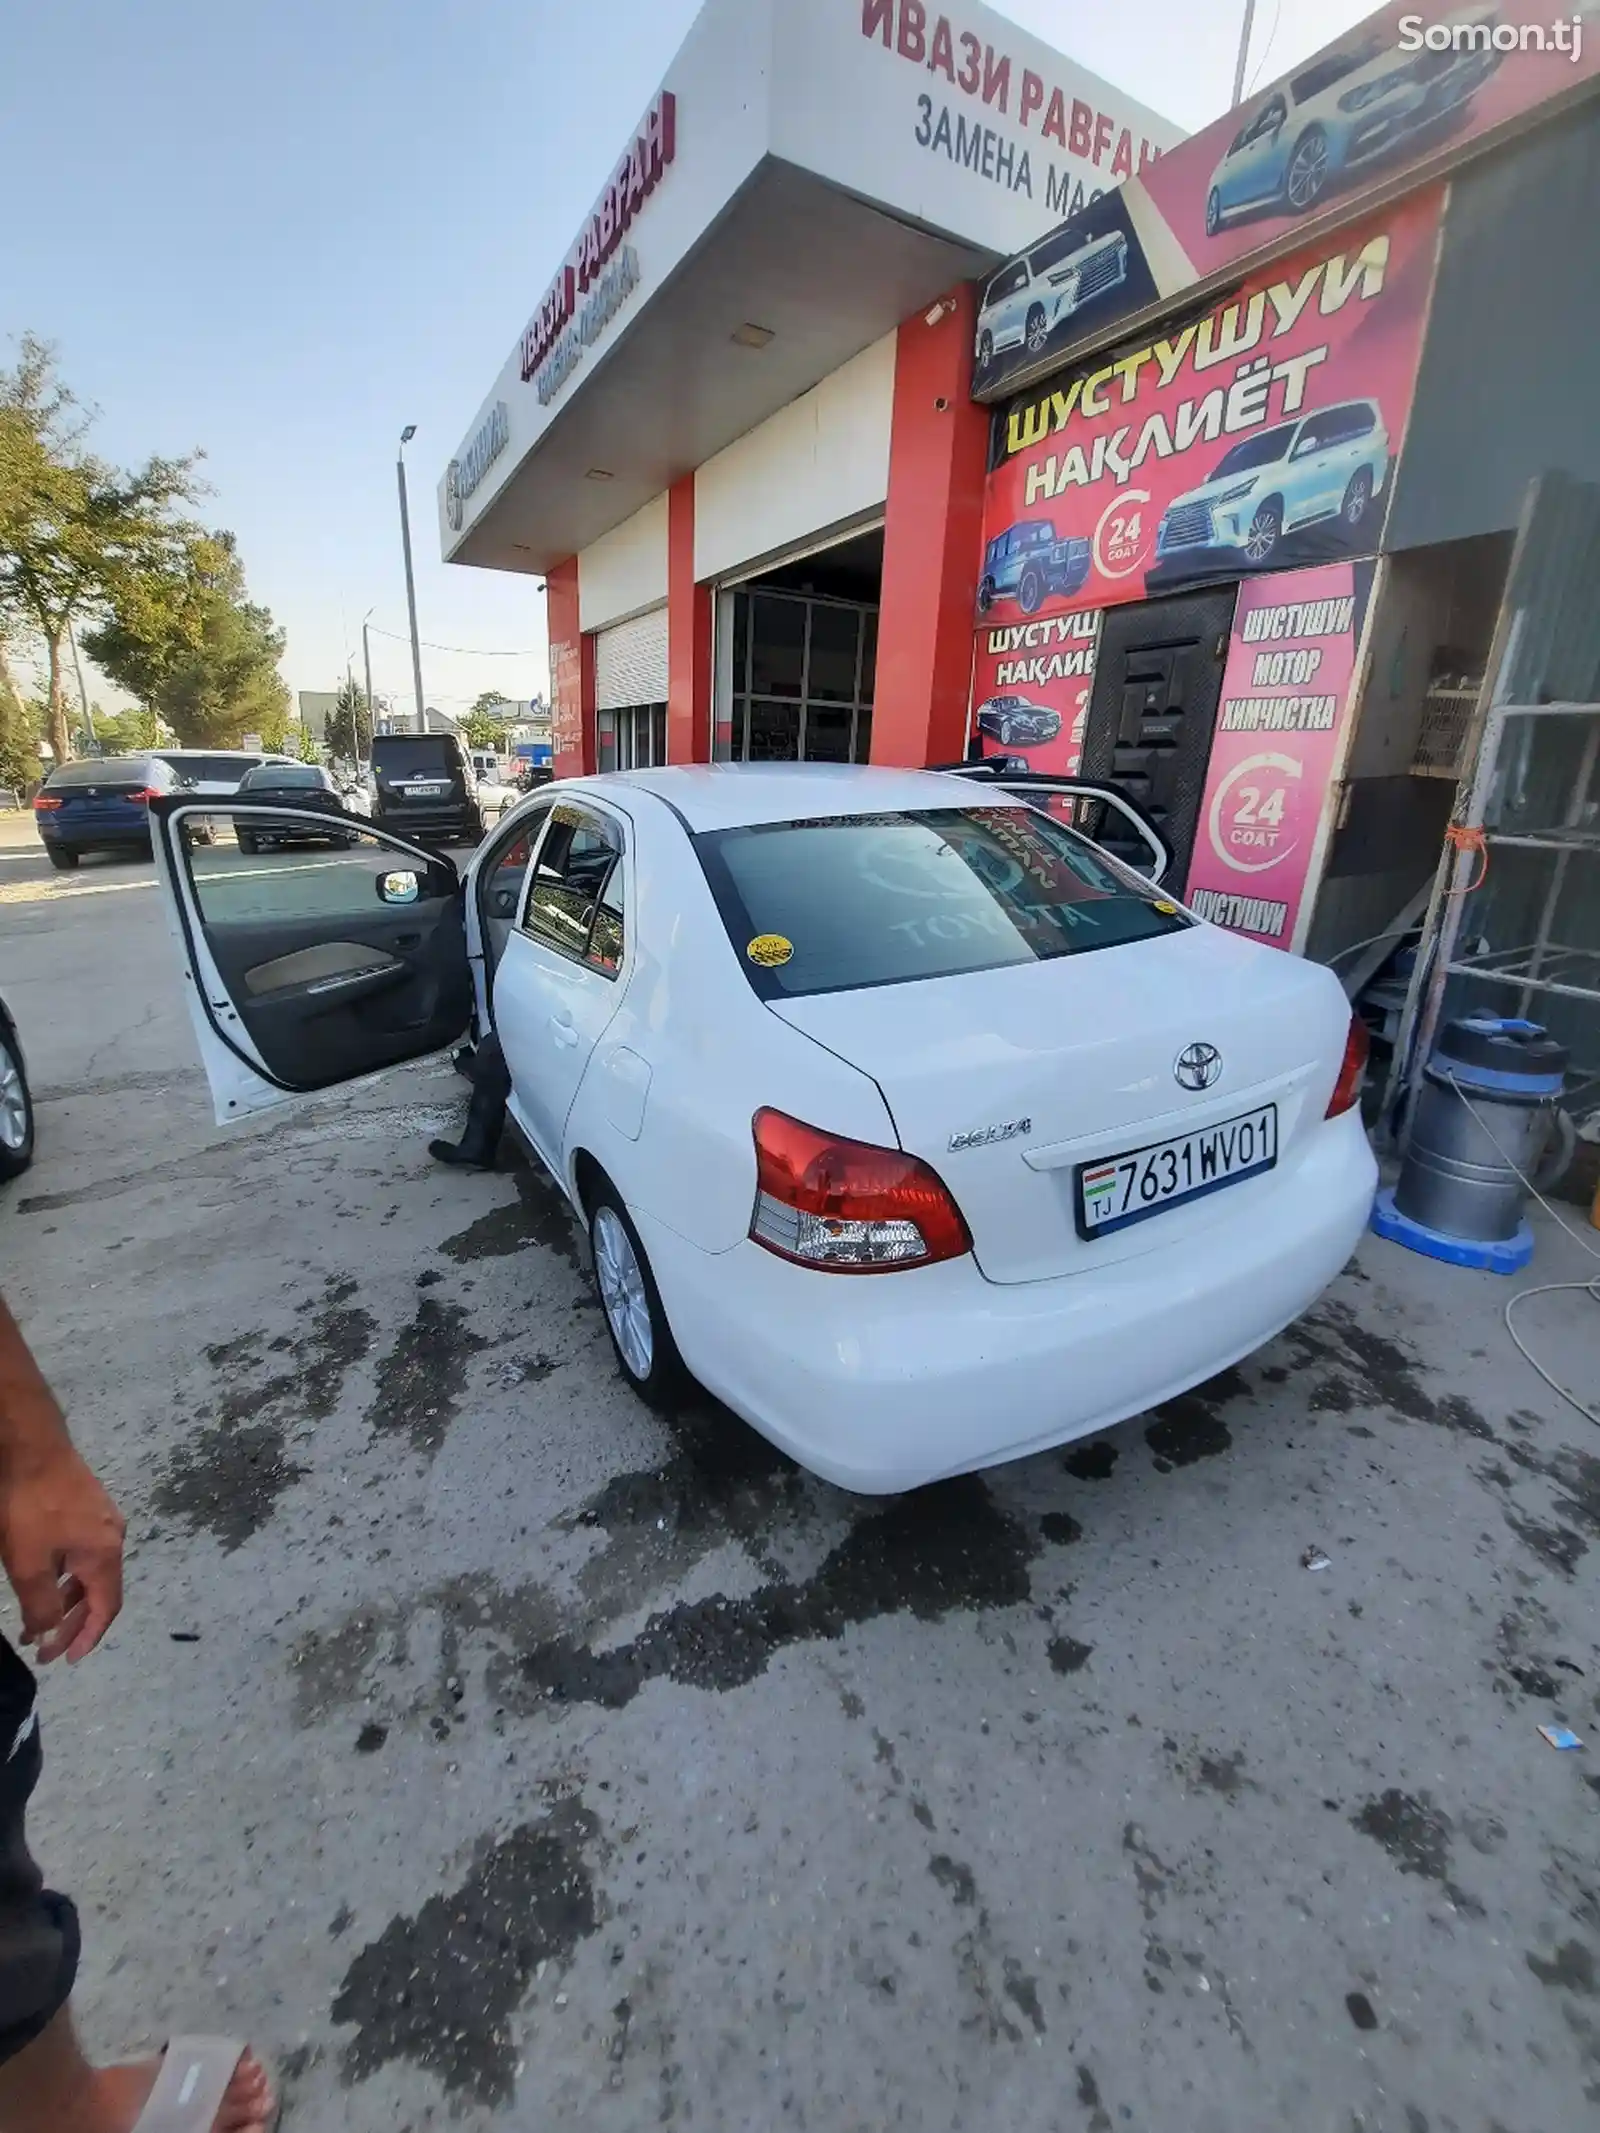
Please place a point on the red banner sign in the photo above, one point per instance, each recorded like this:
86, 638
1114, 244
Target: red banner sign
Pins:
1262, 436
1032, 682
1277, 742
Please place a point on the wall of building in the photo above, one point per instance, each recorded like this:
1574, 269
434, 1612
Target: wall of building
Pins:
1506, 387
819, 463
625, 571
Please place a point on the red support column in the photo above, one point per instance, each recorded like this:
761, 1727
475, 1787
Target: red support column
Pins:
688, 636
572, 708
933, 539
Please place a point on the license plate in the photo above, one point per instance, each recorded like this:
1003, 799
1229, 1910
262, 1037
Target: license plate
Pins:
1128, 1188
423, 792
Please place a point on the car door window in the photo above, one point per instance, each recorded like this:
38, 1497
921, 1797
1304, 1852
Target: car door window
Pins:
294, 884
572, 869
501, 873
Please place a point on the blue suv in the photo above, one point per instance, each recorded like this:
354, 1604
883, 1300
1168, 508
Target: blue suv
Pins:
1029, 562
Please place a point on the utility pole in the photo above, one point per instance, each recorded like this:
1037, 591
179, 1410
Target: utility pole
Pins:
406, 436
1244, 49
83, 694
366, 661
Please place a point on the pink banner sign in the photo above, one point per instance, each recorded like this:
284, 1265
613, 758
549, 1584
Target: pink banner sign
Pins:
1277, 743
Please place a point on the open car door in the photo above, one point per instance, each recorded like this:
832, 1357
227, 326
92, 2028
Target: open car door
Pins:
1103, 813
315, 949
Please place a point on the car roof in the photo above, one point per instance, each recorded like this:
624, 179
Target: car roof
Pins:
717, 796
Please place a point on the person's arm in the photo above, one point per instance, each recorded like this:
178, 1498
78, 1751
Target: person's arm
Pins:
60, 1533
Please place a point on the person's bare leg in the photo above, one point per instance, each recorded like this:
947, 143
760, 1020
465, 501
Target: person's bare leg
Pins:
50, 2087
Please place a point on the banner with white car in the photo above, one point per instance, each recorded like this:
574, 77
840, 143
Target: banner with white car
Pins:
1404, 97
1262, 436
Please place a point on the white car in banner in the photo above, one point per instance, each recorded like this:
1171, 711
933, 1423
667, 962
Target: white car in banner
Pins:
1025, 302
918, 1130
1327, 468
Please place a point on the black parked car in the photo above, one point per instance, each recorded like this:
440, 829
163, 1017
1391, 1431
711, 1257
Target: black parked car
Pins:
305, 785
424, 786
16, 1103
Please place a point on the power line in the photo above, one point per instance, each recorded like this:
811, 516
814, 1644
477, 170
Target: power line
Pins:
467, 651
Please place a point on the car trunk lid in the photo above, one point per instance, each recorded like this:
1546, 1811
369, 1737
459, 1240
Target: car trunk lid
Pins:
1073, 1061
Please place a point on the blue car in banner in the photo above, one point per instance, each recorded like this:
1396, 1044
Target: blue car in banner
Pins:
1342, 112
1029, 562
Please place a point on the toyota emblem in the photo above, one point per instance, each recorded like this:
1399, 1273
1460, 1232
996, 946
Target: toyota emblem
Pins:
1198, 1067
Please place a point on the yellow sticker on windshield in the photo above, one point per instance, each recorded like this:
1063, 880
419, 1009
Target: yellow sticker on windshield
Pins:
1170, 909
769, 950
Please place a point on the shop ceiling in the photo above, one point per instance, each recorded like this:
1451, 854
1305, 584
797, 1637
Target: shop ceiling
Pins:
823, 271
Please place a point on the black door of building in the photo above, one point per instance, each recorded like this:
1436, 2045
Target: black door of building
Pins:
1157, 679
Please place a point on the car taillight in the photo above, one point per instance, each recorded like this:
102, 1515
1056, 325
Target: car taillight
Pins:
144, 795
44, 801
845, 1207
1353, 1066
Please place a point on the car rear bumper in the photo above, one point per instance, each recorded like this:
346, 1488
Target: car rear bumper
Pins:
454, 821
884, 1382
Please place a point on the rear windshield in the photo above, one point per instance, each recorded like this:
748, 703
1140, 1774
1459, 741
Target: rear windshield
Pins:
212, 768
844, 902
278, 774
110, 770
420, 751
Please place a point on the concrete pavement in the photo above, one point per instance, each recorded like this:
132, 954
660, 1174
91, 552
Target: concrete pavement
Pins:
499, 1757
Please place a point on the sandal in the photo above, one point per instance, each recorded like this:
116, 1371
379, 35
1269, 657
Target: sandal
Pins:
194, 2079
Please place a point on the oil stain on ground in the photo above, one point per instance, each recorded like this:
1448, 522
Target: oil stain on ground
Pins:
1190, 1428
439, 1989
537, 1216
939, 1552
228, 1478
422, 1378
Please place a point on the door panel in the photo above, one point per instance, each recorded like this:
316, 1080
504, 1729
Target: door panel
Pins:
1158, 676
312, 968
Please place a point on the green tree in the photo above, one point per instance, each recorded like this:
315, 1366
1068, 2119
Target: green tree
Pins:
20, 734
191, 646
304, 742
485, 724
128, 732
76, 536
349, 729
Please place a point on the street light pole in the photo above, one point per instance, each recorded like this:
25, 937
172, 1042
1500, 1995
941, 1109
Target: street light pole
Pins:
366, 661
1244, 49
406, 436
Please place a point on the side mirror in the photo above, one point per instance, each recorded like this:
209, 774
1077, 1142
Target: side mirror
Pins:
400, 887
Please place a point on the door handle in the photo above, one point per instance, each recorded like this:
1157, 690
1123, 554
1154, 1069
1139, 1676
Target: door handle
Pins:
564, 1029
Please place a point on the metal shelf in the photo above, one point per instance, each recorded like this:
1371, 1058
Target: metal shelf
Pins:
1536, 967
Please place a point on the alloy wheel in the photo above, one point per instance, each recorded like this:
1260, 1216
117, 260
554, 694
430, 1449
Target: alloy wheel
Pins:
13, 1104
1308, 171
623, 1293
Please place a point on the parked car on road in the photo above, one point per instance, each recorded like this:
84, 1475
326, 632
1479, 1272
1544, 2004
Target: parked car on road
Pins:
917, 1129
305, 786
101, 804
1338, 114
1328, 467
494, 799
1015, 723
424, 785
1029, 562
16, 1101
214, 772
1030, 297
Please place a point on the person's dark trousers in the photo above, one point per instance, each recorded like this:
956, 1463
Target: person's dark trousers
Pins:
38, 1929
486, 1114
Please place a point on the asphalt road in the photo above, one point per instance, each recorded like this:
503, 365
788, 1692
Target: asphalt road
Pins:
498, 1757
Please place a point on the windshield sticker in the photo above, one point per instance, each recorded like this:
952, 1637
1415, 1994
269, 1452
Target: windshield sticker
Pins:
770, 950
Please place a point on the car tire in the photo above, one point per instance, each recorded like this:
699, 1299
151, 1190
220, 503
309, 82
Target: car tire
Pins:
62, 856
985, 595
16, 1113
1031, 590
473, 831
985, 349
1213, 212
647, 1355
1357, 499
1036, 332
246, 841
1266, 532
1306, 179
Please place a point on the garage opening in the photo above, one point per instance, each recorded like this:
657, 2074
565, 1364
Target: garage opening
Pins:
630, 688
795, 683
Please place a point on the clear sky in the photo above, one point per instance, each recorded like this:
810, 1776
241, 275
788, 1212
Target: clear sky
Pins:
281, 229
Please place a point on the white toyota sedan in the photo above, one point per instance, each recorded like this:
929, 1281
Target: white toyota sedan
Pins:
915, 1126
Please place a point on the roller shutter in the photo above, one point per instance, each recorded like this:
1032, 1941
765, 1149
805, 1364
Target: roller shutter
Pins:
630, 662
